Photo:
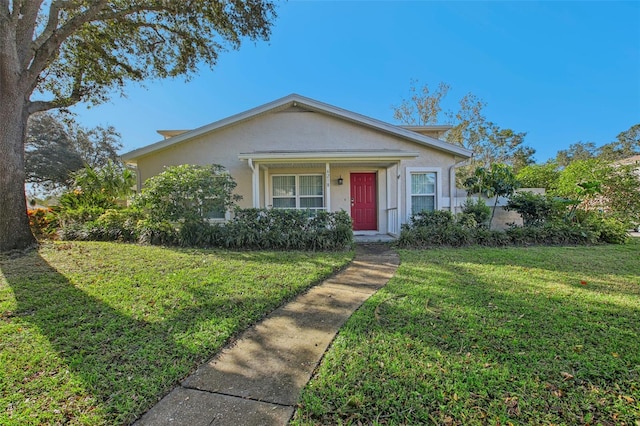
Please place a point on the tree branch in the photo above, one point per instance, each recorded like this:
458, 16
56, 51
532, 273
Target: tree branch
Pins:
47, 44
72, 99
4, 9
25, 18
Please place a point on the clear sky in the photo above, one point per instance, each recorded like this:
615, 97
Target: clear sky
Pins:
561, 71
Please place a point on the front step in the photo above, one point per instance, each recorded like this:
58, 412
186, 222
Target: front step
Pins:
375, 238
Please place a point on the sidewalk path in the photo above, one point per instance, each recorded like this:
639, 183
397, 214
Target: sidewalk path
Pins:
258, 378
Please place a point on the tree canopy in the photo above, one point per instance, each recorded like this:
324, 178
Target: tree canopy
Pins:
57, 146
627, 144
57, 53
471, 129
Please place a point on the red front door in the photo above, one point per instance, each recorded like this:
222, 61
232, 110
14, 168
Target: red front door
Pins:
363, 202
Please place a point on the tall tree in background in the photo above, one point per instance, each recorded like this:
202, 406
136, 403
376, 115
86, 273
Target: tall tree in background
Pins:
72, 51
471, 129
627, 144
57, 146
578, 151
50, 155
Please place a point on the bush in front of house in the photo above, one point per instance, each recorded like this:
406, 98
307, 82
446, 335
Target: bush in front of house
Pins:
436, 229
479, 210
536, 209
275, 229
249, 229
174, 209
187, 194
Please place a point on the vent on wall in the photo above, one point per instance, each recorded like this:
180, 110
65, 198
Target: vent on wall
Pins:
296, 108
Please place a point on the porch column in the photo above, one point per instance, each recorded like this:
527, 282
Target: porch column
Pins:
255, 183
327, 171
398, 181
265, 183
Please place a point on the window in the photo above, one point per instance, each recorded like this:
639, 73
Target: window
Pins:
422, 190
212, 212
298, 192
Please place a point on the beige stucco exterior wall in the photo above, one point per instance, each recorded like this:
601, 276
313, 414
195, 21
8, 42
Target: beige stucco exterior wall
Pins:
303, 131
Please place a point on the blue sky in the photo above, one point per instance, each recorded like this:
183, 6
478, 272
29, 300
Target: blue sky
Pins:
561, 71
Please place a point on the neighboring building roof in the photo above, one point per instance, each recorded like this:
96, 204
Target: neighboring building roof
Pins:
635, 159
312, 105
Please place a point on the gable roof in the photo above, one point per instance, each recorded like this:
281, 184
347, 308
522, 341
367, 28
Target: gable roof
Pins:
295, 100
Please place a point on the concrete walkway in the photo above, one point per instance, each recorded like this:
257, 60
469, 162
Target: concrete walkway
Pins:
258, 378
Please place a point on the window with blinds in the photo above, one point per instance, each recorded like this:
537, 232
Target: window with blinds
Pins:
304, 192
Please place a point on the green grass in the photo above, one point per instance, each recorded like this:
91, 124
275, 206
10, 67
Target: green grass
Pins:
96, 333
490, 336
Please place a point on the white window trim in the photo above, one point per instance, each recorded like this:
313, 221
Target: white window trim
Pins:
407, 182
297, 187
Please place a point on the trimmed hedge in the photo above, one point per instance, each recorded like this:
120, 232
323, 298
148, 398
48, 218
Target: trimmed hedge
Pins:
249, 229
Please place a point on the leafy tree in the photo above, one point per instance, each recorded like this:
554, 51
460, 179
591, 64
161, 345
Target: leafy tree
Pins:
187, 193
626, 145
522, 157
576, 152
98, 146
578, 173
57, 146
471, 129
50, 155
597, 185
424, 107
71, 51
621, 195
539, 176
496, 181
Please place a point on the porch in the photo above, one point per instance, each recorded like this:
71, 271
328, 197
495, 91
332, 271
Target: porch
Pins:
366, 184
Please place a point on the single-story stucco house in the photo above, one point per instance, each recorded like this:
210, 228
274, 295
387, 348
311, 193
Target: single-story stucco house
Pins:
296, 152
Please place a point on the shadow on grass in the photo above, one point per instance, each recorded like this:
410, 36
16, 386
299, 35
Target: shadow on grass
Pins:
95, 341
490, 336
124, 363
567, 353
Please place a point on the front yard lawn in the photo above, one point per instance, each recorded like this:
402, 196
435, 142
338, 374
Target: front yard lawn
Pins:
95, 333
490, 336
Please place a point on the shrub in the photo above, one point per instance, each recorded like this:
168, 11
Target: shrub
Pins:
432, 218
535, 209
431, 232
479, 210
286, 229
156, 233
609, 229
187, 193
119, 225
43, 222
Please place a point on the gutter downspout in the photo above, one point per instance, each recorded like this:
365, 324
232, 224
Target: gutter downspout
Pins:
452, 182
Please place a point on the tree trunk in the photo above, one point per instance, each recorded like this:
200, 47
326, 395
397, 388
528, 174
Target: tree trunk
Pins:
15, 233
